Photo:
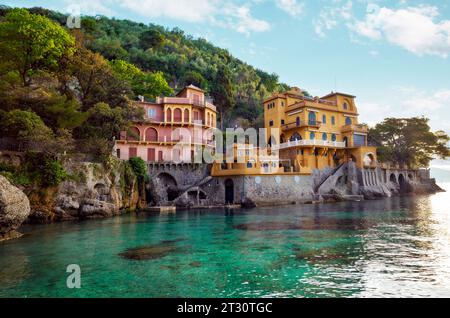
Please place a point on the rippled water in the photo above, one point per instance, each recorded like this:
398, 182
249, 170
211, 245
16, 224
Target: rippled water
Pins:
391, 247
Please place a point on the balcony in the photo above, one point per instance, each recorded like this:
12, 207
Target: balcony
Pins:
315, 124
206, 102
313, 142
360, 128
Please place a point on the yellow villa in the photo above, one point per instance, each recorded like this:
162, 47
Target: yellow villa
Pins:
309, 133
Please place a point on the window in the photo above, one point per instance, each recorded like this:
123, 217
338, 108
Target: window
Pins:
249, 164
333, 120
282, 104
297, 121
295, 136
282, 121
312, 118
324, 119
348, 121
271, 123
324, 136
312, 136
359, 140
345, 106
333, 137
151, 113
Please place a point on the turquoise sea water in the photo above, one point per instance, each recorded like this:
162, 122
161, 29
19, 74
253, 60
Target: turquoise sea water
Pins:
392, 247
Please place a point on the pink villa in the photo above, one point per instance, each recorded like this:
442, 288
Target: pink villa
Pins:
167, 131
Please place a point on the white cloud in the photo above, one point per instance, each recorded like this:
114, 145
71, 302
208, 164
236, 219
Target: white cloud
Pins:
330, 17
291, 7
240, 19
225, 14
88, 7
190, 11
415, 29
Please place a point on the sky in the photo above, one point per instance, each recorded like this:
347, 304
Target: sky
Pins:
393, 55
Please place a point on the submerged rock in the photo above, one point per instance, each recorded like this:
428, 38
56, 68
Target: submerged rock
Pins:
14, 209
149, 252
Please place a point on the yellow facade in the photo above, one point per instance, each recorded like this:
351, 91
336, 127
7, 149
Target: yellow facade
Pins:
314, 133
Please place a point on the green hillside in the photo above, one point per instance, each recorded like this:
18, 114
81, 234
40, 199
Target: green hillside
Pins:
237, 87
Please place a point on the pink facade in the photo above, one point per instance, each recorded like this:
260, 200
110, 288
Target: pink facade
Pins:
172, 128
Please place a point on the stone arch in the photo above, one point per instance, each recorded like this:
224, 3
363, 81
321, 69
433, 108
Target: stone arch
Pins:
177, 115
151, 134
134, 134
402, 183
167, 186
229, 191
393, 178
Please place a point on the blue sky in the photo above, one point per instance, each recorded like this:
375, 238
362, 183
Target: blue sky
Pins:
393, 55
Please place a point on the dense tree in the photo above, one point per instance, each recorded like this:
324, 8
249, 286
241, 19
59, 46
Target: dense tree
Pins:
151, 39
222, 92
147, 84
31, 42
408, 141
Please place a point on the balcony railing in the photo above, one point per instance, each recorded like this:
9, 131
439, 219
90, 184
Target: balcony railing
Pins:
357, 128
311, 142
316, 124
206, 102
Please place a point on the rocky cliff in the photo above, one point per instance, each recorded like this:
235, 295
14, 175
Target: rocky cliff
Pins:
14, 209
92, 191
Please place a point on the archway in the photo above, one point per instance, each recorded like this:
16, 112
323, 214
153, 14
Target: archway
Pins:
167, 187
402, 183
229, 191
134, 134
296, 136
177, 115
151, 134
393, 178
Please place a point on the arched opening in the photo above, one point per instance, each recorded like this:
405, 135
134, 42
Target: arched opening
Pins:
402, 183
229, 191
295, 136
177, 115
169, 115
312, 118
167, 187
134, 134
345, 142
186, 115
393, 178
151, 134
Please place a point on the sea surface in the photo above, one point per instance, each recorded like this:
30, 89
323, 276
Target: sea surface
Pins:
391, 247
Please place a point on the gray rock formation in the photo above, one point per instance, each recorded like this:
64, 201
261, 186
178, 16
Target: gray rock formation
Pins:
14, 209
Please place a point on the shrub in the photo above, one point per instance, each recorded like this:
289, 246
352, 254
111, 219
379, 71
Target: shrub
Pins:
139, 168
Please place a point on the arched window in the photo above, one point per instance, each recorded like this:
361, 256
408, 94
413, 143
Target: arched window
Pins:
168, 115
348, 121
151, 134
134, 134
333, 137
312, 136
297, 121
177, 115
312, 118
295, 136
345, 106
324, 119
186, 115
333, 120
324, 136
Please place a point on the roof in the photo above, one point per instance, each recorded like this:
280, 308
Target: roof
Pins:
191, 87
337, 93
